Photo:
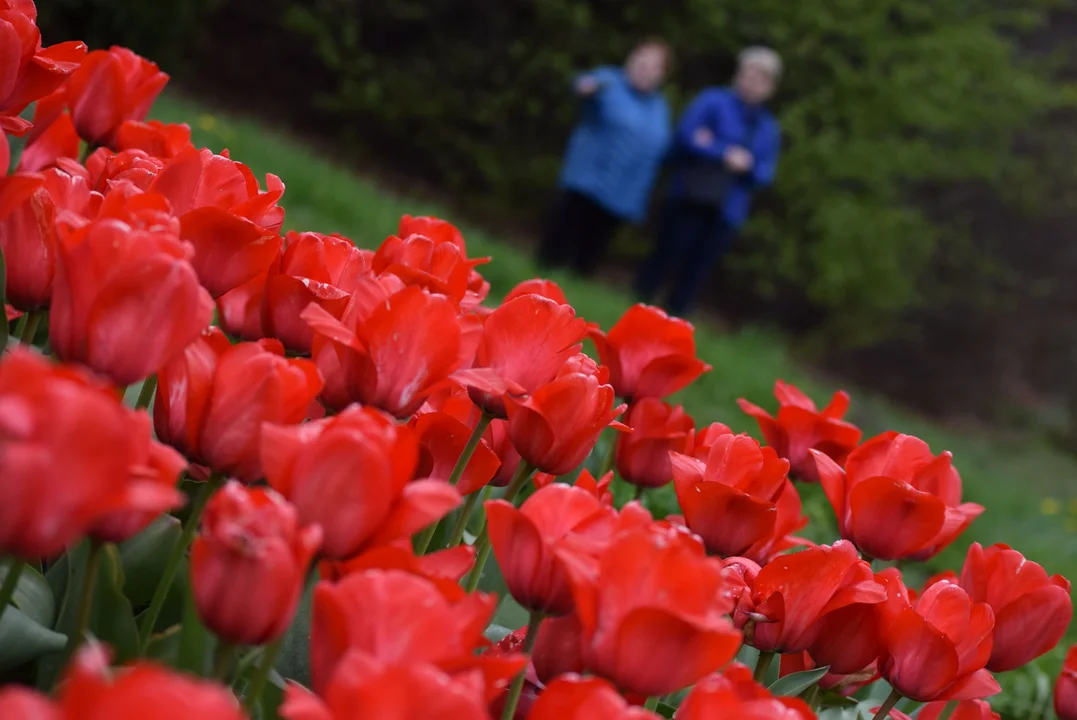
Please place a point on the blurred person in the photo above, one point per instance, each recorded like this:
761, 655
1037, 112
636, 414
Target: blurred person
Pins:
613, 158
726, 147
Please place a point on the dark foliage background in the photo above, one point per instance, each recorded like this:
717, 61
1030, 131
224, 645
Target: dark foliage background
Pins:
917, 237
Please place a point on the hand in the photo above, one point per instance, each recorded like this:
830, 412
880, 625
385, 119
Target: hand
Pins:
738, 159
703, 137
587, 85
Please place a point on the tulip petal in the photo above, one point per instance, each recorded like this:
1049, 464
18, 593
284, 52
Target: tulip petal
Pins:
1029, 627
773, 434
979, 684
228, 250
728, 520
422, 503
890, 519
922, 661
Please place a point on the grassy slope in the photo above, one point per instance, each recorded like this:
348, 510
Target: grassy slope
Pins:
1030, 492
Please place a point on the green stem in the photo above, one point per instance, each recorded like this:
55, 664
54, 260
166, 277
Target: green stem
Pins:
651, 703
423, 541
26, 337
86, 601
517, 687
812, 695
482, 545
11, 581
20, 324
610, 461
146, 394
891, 701
761, 666
223, 659
639, 492
461, 522
269, 657
149, 618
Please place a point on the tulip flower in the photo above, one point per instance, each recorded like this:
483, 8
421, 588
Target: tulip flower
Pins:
71, 456
125, 301
843, 684
557, 426
58, 141
730, 500
599, 488
229, 221
895, 499
390, 349
704, 440
442, 440
315, 268
157, 474
653, 619
789, 520
498, 438
240, 309
820, 600
964, 710
531, 544
538, 286
439, 267
251, 544
212, 401
353, 614
363, 687
649, 354
110, 87
158, 139
29, 71
92, 690
444, 568
657, 430
735, 694
440, 232
936, 647
571, 697
1032, 610
559, 648
801, 427
525, 342
352, 474
1066, 687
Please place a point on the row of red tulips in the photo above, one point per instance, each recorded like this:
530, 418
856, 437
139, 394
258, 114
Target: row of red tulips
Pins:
349, 435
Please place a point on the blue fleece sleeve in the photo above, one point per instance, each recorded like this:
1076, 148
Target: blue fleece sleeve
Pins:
766, 158
704, 111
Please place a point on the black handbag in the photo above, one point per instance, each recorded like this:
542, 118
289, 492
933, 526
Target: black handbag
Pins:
706, 181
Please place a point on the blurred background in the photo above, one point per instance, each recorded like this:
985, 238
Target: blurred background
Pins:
915, 247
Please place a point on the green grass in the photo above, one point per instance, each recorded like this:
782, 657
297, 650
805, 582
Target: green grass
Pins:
1029, 490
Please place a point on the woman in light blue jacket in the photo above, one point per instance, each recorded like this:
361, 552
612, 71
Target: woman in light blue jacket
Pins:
613, 158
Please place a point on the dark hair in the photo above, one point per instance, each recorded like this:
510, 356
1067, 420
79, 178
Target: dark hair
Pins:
661, 45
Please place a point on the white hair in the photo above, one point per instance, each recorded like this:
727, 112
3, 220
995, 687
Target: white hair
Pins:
763, 58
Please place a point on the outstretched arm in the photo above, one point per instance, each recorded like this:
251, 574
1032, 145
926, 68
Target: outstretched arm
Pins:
699, 129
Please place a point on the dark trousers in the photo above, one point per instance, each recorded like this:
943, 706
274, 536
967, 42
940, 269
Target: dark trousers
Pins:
691, 239
577, 234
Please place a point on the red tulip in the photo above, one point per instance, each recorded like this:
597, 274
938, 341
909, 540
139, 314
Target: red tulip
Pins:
213, 399
649, 354
442, 438
11, 313
820, 600
231, 223
390, 353
59, 140
572, 697
895, 499
427, 628
28, 71
497, 437
730, 501
704, 440
538, 286
315, 268
361, 686
533, 544
735, 694
107, 168
28, 240
964, 710
156, 138
801, 427
157, 475
71, 456
125, 299
843, 684
657, 430
525, 342
586, 481
1032, 611
935, 648
1066, 687
110, 87
559, 648
92, 690
440, 232
654, 619
352, 474
251, 544
444, 568
789, 519
556, 427
240, 309
440, 267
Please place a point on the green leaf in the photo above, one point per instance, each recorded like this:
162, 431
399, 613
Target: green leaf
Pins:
793, 684
509, 613
833, 699
666, 710
195, 647
495, 633
143, 557
164, 646
33, 595
293, 660
23, 640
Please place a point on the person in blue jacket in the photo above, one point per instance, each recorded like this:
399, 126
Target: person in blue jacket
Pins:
613, 157
726, 148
